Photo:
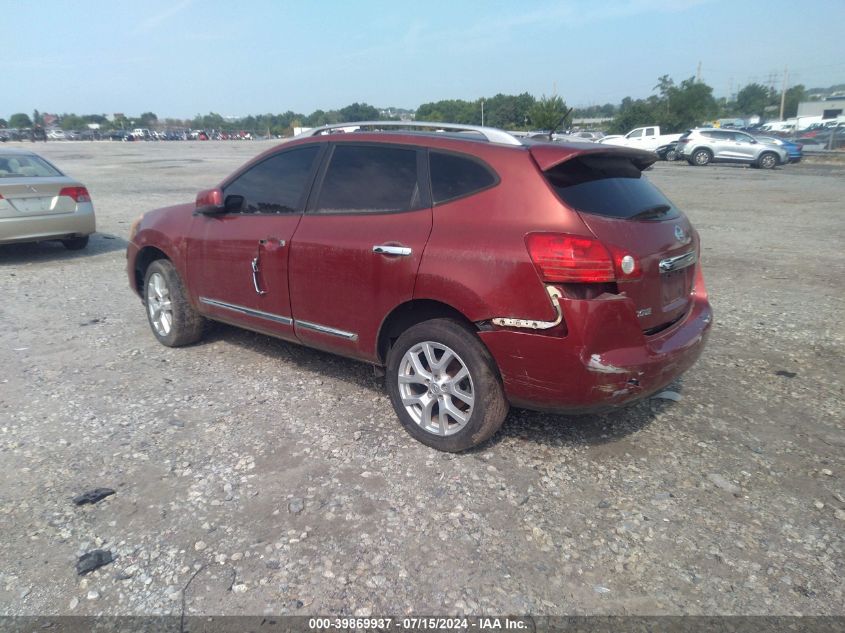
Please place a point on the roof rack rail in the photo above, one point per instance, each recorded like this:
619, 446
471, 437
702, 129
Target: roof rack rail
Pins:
491, 134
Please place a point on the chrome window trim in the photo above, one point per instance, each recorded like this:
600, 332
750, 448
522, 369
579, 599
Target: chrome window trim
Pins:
278, 318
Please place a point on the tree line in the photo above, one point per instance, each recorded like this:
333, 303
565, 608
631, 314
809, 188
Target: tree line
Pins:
673, 106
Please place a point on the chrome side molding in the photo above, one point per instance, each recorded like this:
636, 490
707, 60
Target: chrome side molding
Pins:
325, 329
278, 318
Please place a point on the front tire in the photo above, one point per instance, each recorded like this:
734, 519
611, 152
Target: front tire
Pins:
172, 318
701, 157
444, 386
767, 160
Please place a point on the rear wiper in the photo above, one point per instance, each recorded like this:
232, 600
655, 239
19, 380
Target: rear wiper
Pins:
651, 213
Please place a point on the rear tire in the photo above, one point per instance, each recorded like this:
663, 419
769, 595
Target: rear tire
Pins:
701, 157
445, 386
76, 243
172, 318
767, 160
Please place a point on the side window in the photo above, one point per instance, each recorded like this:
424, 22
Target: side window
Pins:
370, 179
275, 185
635, 134
650, 132
454, 176
742, 138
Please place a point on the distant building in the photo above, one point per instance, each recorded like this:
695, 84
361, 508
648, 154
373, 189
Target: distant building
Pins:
828, 109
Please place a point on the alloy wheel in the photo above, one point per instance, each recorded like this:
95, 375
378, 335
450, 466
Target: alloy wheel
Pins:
436, 388
159, 304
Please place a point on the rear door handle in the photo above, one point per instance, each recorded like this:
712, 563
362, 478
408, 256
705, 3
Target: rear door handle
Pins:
383, 249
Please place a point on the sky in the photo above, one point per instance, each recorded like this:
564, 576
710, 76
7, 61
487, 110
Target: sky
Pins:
179, 58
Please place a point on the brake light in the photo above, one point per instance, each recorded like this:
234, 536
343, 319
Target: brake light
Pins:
568, 258
79, 194
576, 259
683, 141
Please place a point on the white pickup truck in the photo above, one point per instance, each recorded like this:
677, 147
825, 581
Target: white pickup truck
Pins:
648, 138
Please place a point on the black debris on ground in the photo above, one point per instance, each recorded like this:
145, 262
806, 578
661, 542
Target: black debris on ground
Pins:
92, 560
93, 496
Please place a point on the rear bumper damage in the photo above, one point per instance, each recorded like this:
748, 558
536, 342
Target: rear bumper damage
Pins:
604, 361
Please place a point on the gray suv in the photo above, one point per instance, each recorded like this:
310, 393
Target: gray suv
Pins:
706, 145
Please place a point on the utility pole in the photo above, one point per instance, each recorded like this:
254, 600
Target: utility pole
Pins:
783, 91
482, 112
698, 74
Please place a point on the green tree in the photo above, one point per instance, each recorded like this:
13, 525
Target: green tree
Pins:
358, 112
19, 120
508, 111
635, 113
687, 105
451, 111
794, 96
72, 122
36, 118
3, 124
752, 99
148, 119
547, 113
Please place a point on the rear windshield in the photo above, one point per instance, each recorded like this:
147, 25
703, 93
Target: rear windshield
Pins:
611, 186
26, 166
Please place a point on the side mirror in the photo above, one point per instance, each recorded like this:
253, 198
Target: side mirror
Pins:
234, 203
210, 202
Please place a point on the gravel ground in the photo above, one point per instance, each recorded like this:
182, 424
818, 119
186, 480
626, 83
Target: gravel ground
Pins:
278, 479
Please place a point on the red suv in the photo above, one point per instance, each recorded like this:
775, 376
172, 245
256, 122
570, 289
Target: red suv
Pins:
478, 270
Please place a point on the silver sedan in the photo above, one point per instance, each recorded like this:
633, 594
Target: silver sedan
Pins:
38, 202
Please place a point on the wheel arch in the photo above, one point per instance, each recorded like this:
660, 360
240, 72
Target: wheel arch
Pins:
410, 313
146, 256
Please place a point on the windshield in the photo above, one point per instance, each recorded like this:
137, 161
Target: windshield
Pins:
18, 166
611, 186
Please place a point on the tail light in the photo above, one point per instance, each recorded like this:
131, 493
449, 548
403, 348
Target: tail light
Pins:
79, 194
564, 258
683, 141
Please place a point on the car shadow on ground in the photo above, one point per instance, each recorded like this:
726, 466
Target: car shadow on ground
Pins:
548, 429
53, 250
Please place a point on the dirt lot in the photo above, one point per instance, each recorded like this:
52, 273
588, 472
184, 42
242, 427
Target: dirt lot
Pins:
282, 476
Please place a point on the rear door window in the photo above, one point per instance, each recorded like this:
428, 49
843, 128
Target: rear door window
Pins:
455, 176
275, 185
610, 186
370, 179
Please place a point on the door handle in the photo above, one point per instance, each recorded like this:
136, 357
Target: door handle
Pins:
383, 249
255, 277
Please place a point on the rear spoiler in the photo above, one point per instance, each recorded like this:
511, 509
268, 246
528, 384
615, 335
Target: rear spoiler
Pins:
547, 155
